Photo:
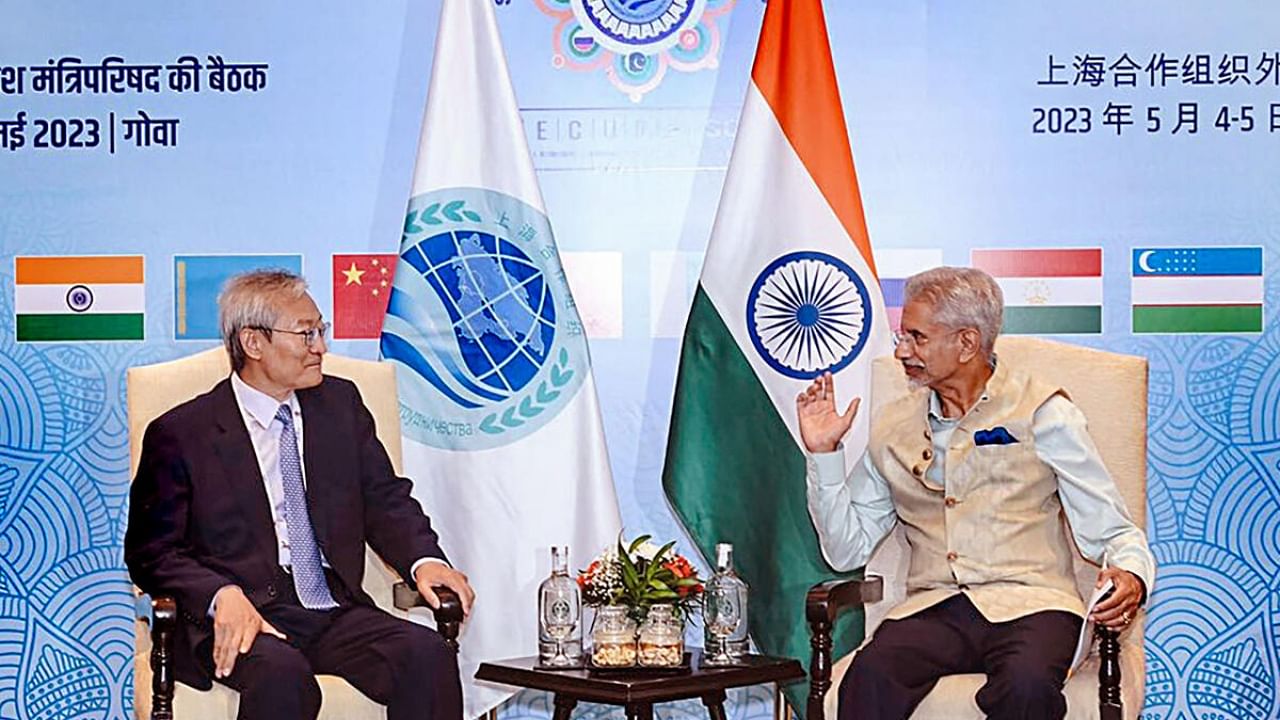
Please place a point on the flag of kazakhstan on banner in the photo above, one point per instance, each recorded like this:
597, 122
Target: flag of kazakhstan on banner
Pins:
788, 291
501, 424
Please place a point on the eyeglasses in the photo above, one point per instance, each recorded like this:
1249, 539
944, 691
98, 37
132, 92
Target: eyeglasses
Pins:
916, 338
309, 336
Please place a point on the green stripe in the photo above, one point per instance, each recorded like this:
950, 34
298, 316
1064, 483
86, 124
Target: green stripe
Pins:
734, 474
1052, 319
60, 326
1197, 319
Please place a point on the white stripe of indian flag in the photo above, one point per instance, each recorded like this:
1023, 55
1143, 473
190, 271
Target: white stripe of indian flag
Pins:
30, 299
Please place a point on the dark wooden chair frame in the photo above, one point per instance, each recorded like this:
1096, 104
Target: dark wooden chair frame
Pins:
164, 621
827, 600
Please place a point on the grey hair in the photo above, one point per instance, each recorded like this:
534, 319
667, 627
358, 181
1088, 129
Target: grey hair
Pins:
252, 300
960, 298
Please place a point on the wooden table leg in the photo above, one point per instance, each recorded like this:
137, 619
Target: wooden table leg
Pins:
640, 711
564, 707
714, 701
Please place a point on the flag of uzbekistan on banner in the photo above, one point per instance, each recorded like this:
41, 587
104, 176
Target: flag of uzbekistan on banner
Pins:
66, 299
1047, 291
501, 424
1197, 290
788, 291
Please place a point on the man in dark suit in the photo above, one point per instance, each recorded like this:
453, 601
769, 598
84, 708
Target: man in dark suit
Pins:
252, 506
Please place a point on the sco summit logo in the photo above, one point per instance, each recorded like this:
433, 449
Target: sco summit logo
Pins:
807, 313
642, 27
481, 321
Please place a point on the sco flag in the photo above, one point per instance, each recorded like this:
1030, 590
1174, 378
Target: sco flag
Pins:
788, 291
501, 423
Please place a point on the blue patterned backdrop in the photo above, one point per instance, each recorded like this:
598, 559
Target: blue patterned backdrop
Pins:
940, 100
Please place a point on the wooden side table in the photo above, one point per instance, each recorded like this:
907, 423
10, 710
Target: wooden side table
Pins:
637, 692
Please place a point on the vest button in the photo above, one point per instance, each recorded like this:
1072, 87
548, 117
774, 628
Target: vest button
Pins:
951, 556
927, 454
928, 435
964, 587
271, 590
918, 471
951, 502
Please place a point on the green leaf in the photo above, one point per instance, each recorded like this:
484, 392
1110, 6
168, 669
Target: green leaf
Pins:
662, 552
451, 210
509, 418
637, 543
664, 595
410, 226
487, 425
527, 407
688, 582
473, 217
544, 395
564, 356
629, 577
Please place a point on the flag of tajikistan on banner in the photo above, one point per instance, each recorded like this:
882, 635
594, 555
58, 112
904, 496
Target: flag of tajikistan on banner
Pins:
501, 424
1047, 291
788, 291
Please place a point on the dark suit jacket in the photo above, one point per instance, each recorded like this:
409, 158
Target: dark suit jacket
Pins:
199, 517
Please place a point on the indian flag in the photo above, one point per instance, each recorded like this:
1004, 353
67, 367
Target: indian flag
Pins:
788, 291
73, 298
1047, 291
1197, 290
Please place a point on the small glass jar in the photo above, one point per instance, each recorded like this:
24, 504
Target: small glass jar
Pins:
613, 637
661, 638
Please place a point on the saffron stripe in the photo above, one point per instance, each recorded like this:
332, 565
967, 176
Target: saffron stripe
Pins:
795, 75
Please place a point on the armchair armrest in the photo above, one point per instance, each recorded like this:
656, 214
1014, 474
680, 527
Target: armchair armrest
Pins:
823, 604
161, 613
448, 615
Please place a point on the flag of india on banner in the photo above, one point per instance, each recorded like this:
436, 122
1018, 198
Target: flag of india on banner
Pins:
501, 424
788, 291
66, 299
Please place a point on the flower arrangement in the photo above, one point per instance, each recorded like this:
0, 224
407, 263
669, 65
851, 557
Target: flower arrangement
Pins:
640, 575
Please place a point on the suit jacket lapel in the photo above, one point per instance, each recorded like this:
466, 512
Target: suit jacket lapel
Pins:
316, 453
240, 467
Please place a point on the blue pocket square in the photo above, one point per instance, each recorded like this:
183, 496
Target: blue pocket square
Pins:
994, 436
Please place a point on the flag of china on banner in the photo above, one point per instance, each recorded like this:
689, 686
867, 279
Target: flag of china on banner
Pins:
361, 286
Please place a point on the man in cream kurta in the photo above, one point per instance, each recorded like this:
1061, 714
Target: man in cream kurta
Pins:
978, 462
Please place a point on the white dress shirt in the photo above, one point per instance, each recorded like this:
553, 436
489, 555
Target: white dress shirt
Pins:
853, 514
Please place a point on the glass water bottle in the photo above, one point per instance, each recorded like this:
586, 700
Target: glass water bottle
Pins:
559, 615
725, 612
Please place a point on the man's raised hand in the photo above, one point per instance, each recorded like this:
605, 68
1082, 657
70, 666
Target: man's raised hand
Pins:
821, 426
